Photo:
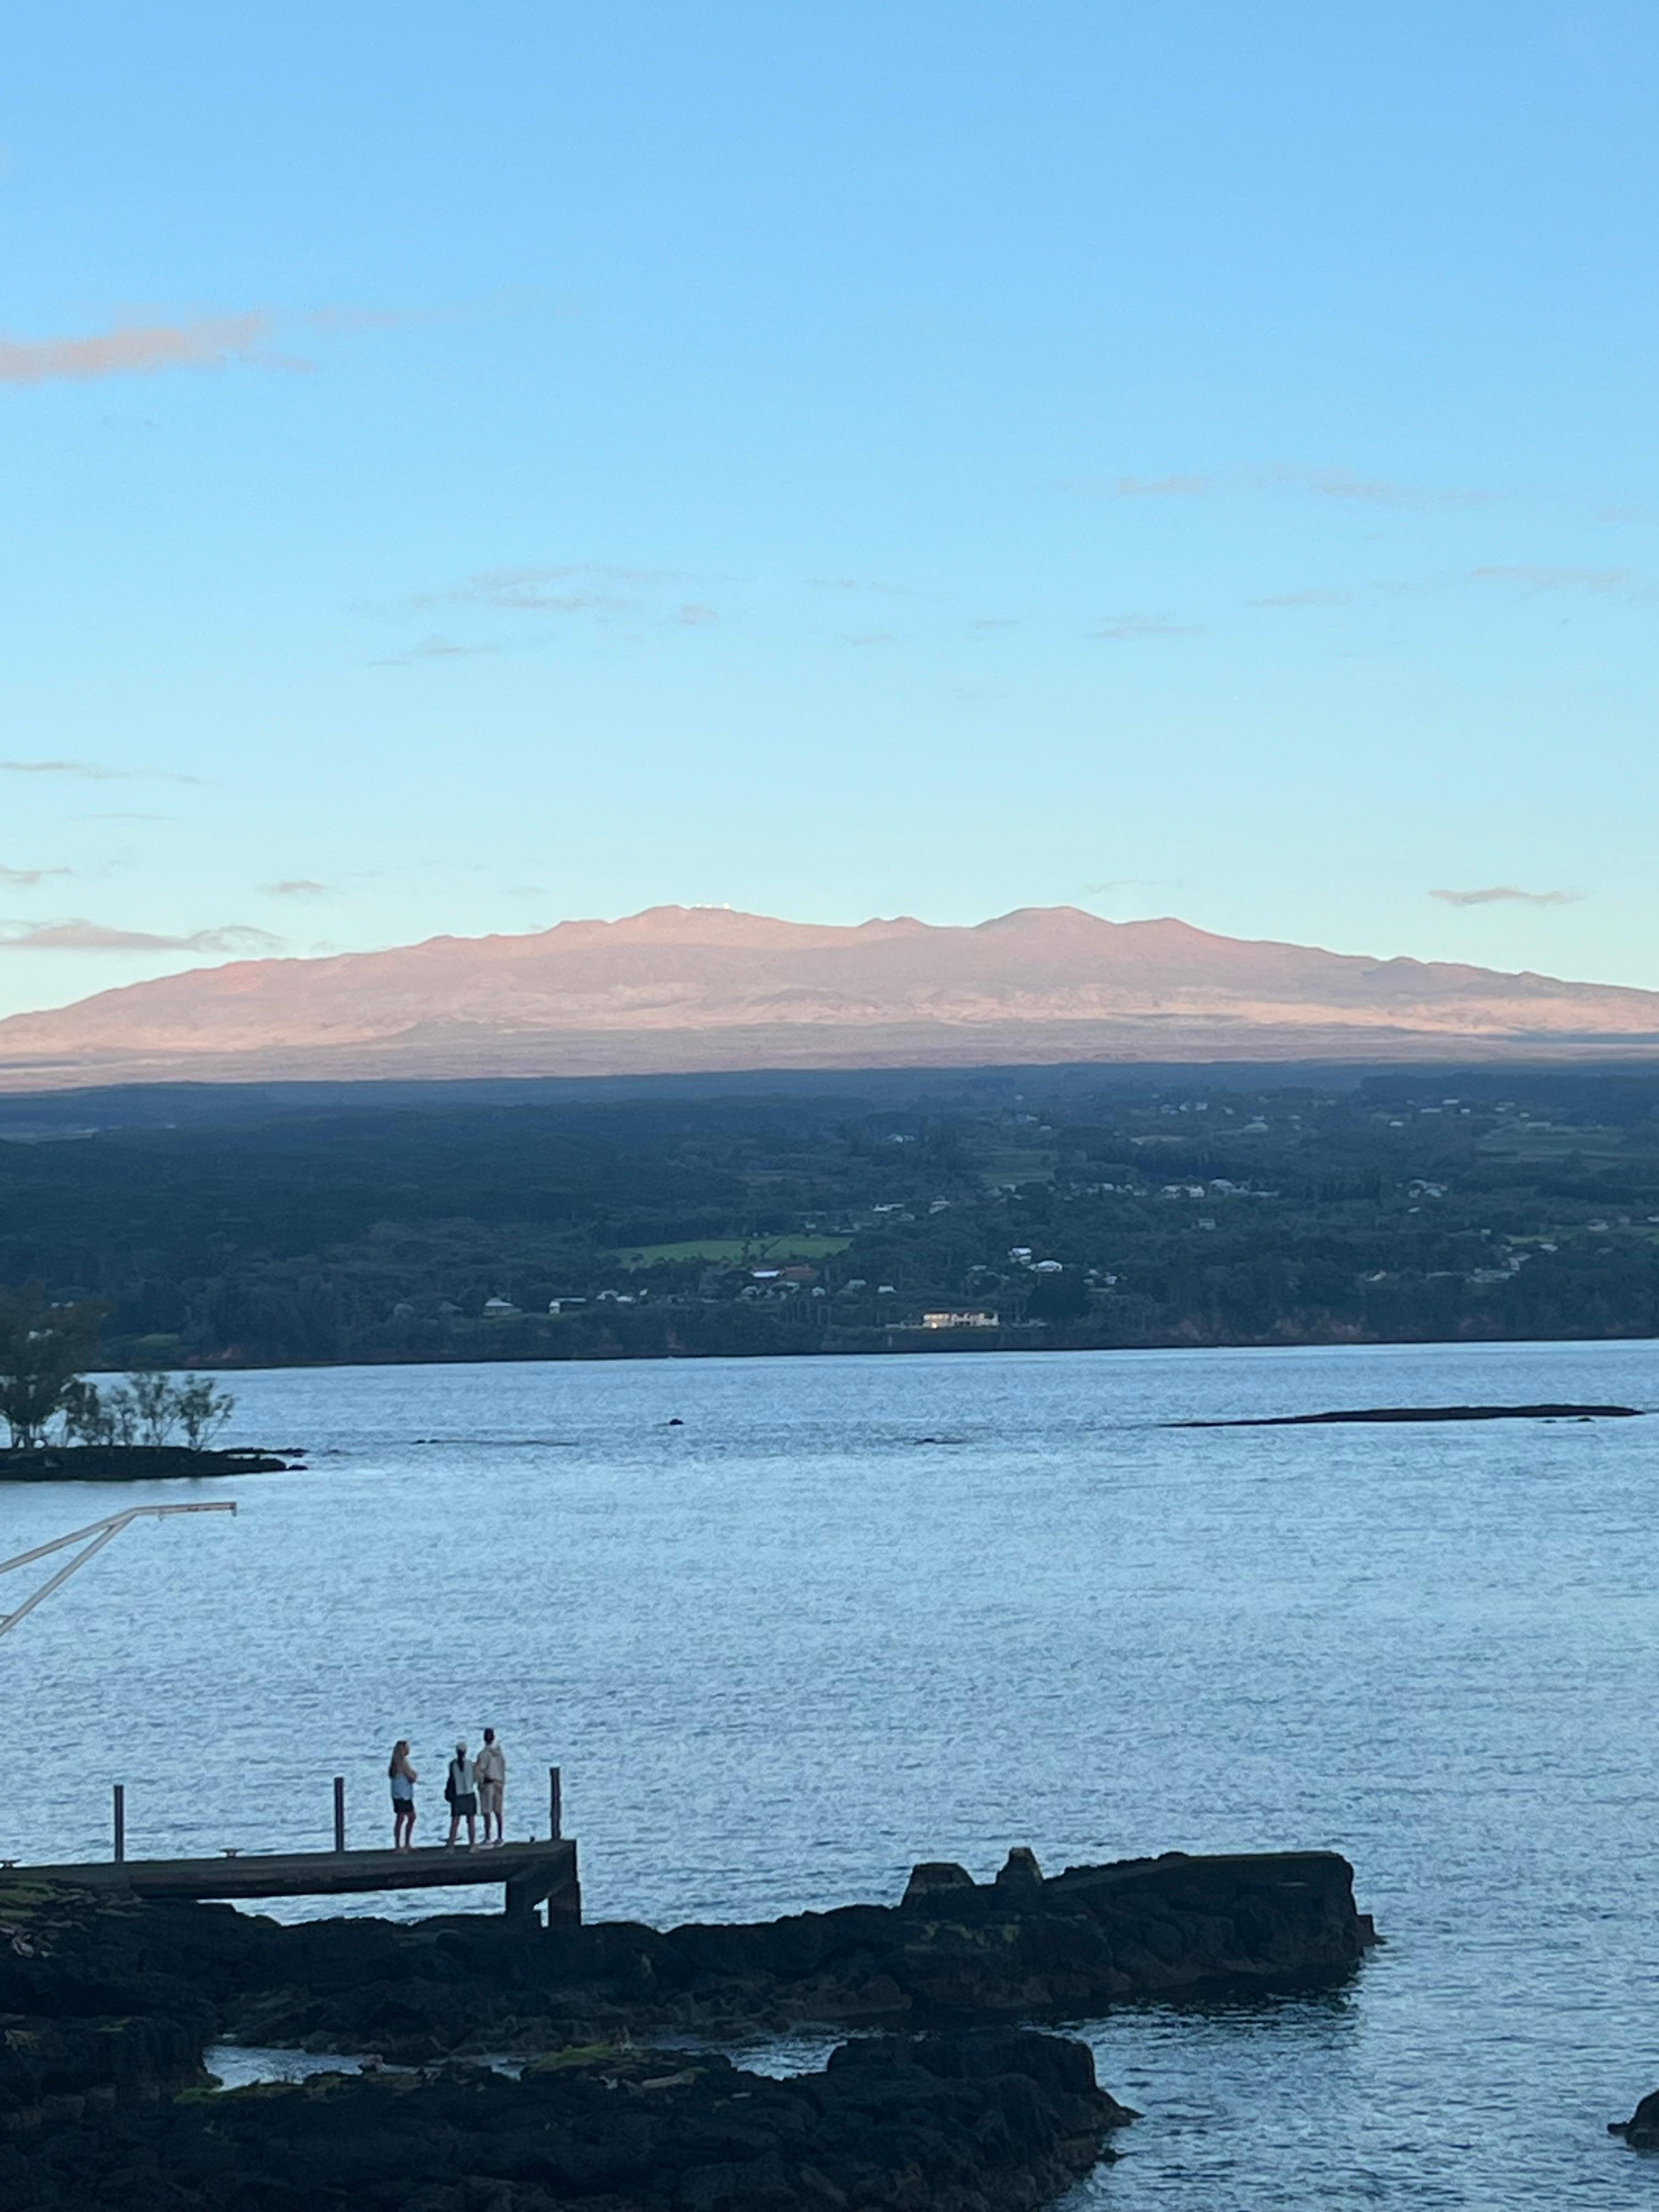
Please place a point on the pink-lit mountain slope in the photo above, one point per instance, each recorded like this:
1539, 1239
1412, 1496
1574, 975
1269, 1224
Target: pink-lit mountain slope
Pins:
699, 988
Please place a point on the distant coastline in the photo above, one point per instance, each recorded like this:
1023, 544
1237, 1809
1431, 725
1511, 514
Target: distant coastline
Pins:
1018, 1210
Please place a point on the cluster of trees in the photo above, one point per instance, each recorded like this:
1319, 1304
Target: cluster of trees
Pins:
45, 1352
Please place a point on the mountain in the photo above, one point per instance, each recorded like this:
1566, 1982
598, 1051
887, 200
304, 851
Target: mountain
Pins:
679, 988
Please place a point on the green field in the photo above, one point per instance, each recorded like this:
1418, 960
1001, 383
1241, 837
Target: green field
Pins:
736, 1251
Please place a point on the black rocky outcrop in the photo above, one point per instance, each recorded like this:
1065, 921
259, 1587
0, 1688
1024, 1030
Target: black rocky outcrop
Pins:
955, 1953
1641, 2130
991, 2121
136, 1463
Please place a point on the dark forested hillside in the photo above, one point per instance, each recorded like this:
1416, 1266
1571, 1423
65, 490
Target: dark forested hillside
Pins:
1055, 1207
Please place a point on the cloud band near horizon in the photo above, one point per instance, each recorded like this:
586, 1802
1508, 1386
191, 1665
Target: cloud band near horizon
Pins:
99, 936
1506, 895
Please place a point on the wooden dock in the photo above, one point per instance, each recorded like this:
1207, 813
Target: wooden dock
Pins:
530, 1874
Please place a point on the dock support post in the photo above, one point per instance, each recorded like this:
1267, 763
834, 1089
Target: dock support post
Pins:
120, 1821
339, 1812
555, 1803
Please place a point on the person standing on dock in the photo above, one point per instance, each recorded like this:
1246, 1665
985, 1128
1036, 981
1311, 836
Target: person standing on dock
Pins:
461, 1789
491, 1768
404, 1778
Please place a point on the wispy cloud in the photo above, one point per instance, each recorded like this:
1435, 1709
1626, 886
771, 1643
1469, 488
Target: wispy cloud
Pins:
97, 937
1119, 627
860, 584
1602, 583
589, 590
1176, 487
432, 648
295, 887
28, 878
577, 587
1321, 484
134, 349
93, 771
1506, 895
202, 342
1310, 599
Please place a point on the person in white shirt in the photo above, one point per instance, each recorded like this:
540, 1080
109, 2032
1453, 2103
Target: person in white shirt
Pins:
404, 1778
491, 1768
461, 1789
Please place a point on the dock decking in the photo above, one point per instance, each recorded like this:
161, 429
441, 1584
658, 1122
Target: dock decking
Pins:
532, 1874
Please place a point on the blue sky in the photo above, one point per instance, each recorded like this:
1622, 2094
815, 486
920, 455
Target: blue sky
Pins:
464, 468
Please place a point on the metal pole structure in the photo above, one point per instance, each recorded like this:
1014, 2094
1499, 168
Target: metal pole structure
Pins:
339, 1812
555, 1803
121, 1822
93, 1538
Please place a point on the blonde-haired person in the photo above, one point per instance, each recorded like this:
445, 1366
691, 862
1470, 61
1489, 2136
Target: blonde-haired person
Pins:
404, 1778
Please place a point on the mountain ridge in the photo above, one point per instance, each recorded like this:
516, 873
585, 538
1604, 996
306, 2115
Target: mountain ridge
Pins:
677, 988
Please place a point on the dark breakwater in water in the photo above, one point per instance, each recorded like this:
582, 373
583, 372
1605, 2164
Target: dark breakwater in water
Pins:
58, 1463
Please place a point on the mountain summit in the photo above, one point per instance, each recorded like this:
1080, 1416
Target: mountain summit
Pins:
683, 988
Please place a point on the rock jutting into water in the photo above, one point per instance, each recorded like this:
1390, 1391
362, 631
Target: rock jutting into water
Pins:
1421, 1413
954, 1953
136, 1463
1641, 2130
107, 2004
963, 2123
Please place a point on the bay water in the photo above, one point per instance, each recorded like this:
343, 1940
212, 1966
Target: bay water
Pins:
854, 1613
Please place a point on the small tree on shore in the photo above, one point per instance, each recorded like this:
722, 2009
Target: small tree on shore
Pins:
44, 1350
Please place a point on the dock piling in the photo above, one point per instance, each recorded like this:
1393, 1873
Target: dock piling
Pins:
339, 1812
120, 1821
555, 1803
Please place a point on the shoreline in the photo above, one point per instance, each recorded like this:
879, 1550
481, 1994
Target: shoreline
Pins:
473, 1356
943, 2096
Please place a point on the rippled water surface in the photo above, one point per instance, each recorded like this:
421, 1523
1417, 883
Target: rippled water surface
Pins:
855, 1613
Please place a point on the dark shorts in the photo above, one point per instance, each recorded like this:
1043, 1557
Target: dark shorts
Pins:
463, 1807
403, 1804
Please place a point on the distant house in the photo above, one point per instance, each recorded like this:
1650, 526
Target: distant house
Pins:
564, 1305
1050, 1267
500, 1309
951, 1318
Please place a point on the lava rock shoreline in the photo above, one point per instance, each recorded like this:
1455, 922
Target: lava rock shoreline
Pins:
140, 1463
987, 2121
107, 2004
954, 1954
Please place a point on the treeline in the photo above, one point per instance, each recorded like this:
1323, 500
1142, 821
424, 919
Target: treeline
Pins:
1076, 1206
